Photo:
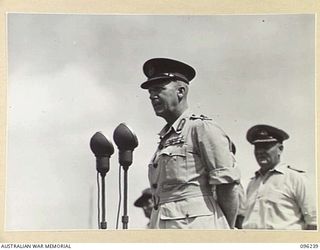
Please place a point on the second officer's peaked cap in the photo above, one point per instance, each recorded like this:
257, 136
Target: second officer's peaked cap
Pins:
266, 133
159, 69
146, 194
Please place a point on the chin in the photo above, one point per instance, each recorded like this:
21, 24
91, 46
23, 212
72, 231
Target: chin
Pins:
265, 166
159, 113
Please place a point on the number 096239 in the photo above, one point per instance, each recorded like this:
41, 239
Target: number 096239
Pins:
309, 245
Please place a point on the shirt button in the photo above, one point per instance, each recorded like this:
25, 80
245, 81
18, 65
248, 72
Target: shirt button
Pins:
187, 215
154, 185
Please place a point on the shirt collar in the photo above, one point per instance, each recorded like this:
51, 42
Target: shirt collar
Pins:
176, 126
279, 168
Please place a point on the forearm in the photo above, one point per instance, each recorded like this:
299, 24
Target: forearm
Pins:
228, 201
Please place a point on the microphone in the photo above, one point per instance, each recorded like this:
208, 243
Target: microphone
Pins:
102, 149
126, 141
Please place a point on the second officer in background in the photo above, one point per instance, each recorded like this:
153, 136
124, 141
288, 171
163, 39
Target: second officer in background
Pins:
278, 195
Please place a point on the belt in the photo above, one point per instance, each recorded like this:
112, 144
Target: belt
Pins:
183, 192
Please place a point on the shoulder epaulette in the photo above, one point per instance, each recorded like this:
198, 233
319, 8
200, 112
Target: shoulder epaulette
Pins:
201, 117
298, 170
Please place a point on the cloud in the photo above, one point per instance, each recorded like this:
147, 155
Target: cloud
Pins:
61, 99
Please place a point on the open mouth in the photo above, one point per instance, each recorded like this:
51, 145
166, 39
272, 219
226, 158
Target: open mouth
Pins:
262, 159
156, 104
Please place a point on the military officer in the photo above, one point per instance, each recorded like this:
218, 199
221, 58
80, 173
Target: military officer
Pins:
277, 196
192, 157
145, 202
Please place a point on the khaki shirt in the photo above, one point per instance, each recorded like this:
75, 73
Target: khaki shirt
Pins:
279, 200
193, 155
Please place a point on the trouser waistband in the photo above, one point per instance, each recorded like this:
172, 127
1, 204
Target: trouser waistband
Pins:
189, 191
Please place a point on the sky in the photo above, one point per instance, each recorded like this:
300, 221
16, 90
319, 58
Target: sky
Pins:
73, 75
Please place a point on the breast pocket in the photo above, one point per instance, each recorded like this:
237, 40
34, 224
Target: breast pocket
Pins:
273, 197
153, 174
174, 164
276, 197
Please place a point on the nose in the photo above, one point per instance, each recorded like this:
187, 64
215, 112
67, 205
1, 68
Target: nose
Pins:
259, 151
145, 208
152, 95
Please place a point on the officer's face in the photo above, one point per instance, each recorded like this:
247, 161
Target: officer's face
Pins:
147, 207
164, 98
268, 154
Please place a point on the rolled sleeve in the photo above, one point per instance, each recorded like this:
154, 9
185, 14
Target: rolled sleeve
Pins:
224, 175
214, 150
306, 201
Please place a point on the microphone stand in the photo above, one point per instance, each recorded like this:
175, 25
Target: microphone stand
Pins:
103, 223
125, 217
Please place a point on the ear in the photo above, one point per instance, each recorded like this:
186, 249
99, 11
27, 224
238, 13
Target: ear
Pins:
280, 147
181, 92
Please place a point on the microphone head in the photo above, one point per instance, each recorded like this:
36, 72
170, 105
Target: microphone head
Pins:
125, 138
101, 146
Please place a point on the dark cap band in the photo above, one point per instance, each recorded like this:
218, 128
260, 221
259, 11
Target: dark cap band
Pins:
171, 75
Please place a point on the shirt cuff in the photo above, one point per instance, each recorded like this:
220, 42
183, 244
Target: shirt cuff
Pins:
310, 219
224, 176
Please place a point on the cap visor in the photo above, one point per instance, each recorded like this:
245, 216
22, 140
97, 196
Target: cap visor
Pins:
264, 140
141, 200
153, 81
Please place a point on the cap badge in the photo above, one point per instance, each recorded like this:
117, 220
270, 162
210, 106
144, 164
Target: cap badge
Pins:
263, 132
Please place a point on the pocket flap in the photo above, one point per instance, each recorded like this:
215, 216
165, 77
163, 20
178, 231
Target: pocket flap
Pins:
193, 207
174, 151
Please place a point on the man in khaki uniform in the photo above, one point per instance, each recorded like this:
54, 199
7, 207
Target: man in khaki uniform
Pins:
277, 196
193, 157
